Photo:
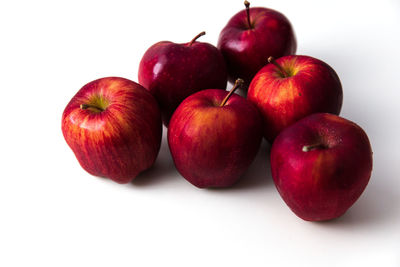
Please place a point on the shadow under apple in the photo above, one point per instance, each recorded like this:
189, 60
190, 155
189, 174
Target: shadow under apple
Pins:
162, 171
259, 174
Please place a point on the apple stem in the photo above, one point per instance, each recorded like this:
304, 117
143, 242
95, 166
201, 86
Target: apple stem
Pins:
196, 37
312, 147
238, 83
273, 61
247, 4
86, 106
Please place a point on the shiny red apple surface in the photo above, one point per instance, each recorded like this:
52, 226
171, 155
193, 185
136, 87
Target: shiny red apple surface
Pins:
212, 144
293, 87
253, 35
321, 165
172, 72
113, 125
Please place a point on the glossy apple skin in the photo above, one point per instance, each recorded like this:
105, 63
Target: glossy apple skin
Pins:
246, 50
213, 146
120, 141
323, 183
313, 87
172, 72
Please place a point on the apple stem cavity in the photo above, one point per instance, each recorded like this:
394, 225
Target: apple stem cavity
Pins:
238, 83
196, 37
93, 107
247, 4
282, 70
308, 148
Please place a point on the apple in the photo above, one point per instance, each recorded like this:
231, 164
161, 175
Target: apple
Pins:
214, 136
253, 35
172, 72
113, 125
292, 87
321, 165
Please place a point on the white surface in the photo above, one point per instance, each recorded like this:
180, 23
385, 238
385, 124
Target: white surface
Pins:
55, 214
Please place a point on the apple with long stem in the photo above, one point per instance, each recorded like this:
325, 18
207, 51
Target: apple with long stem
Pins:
113, 125
172, 72
321, 165
214, 136
253, 35
291, 88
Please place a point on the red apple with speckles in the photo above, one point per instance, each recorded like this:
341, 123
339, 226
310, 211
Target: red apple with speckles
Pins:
321, 165
172, 72
113, 125
291, 88
213, 137
253, 35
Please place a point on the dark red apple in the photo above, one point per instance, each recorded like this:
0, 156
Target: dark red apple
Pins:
321, 165
172, 72
253, 35
291, 88
213, 137
113, 125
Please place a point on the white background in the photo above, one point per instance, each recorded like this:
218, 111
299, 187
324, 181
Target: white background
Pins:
52, 213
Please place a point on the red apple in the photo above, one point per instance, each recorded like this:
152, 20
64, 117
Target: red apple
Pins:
213, 137
172, 72
321, 165
113, 125
253, 35
291, 88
